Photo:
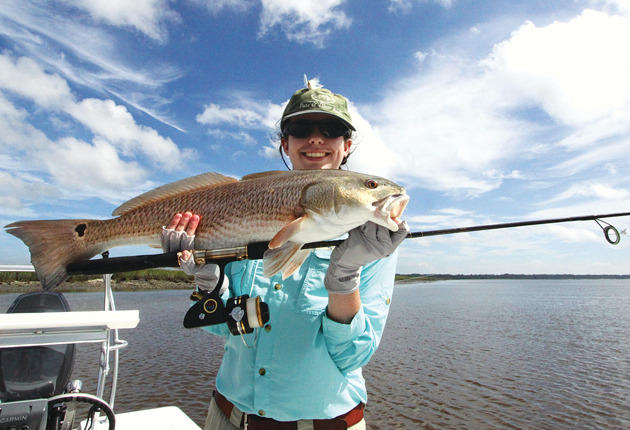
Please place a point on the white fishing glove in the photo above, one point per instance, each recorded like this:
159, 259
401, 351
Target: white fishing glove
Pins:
364, 244
174, 240
206, 276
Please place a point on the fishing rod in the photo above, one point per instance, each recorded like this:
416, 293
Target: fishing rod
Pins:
254, 251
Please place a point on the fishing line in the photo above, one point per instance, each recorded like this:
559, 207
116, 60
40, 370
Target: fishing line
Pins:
251, 291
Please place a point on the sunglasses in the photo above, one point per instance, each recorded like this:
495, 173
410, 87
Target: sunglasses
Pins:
328, 128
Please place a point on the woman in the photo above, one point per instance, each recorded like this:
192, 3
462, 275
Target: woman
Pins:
303, 369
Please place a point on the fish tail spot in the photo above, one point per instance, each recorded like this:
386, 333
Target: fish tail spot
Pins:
80, 229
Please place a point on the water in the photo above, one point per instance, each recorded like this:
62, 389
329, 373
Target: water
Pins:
505, 354
455, 354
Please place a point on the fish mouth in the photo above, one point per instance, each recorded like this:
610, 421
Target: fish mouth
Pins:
389, 209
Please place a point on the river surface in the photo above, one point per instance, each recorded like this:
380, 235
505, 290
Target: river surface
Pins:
500, 354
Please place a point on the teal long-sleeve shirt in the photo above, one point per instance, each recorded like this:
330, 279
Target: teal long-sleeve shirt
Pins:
302, 364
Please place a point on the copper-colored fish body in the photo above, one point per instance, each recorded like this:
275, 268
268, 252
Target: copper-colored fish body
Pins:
286, 208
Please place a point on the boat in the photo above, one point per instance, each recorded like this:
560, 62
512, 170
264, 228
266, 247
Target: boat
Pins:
38, 335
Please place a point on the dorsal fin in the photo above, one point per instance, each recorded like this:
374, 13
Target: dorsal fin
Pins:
263, 174
187, 185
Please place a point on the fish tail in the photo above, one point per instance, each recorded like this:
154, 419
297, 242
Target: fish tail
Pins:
54, 244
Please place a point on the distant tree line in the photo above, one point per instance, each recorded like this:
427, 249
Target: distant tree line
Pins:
136, 275
179, 276
446, 276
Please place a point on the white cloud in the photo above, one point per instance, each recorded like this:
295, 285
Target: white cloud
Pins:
575, 234
152, 104
90, 166
454, 211
576, 70
17, 134
437, 220
240, 136
86, 54
216, 6
306, 21
114, 122
449, 126
39, 170
420, 56
146, 16
270, 150
589, 190
609, 128
55, 40
592, 157
614, 6
463, 124
14, 207
405, 6
244, 112
19, 193
236, 155
102, 117
580, 207
214, 114
370, 153
27, 79
496, 174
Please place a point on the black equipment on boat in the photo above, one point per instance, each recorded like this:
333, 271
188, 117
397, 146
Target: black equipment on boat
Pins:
34, 379
34, 372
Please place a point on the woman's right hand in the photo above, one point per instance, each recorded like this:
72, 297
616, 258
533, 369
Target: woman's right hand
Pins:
179, 234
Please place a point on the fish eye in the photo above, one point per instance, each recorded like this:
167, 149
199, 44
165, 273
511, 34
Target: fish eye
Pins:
371, 183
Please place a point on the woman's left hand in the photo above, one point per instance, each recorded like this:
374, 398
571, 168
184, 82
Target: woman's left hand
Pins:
364, 244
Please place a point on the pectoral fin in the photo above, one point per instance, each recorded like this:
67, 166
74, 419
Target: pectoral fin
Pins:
286, 259
287, 232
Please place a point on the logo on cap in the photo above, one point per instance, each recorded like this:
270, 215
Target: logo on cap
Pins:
323, 97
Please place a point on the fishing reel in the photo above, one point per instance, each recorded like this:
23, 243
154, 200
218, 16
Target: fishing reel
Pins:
242, 314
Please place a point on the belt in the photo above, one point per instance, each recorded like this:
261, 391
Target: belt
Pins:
256, 422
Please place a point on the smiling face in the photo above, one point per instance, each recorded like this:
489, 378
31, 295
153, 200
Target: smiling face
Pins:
316, 151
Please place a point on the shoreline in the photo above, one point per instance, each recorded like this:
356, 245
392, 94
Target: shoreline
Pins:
550, 276
96, 285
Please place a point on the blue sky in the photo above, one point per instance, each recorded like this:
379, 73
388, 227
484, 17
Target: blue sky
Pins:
487, 112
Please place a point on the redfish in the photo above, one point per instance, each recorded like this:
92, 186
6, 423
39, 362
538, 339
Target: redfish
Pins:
286, 208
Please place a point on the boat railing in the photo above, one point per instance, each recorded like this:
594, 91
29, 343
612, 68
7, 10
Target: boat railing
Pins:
54, 328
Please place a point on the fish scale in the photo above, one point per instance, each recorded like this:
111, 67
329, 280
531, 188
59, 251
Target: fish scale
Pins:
286, 208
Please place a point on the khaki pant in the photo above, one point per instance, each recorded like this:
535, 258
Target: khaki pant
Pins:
216, 420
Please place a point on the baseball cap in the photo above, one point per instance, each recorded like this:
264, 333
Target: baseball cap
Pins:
313, 99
